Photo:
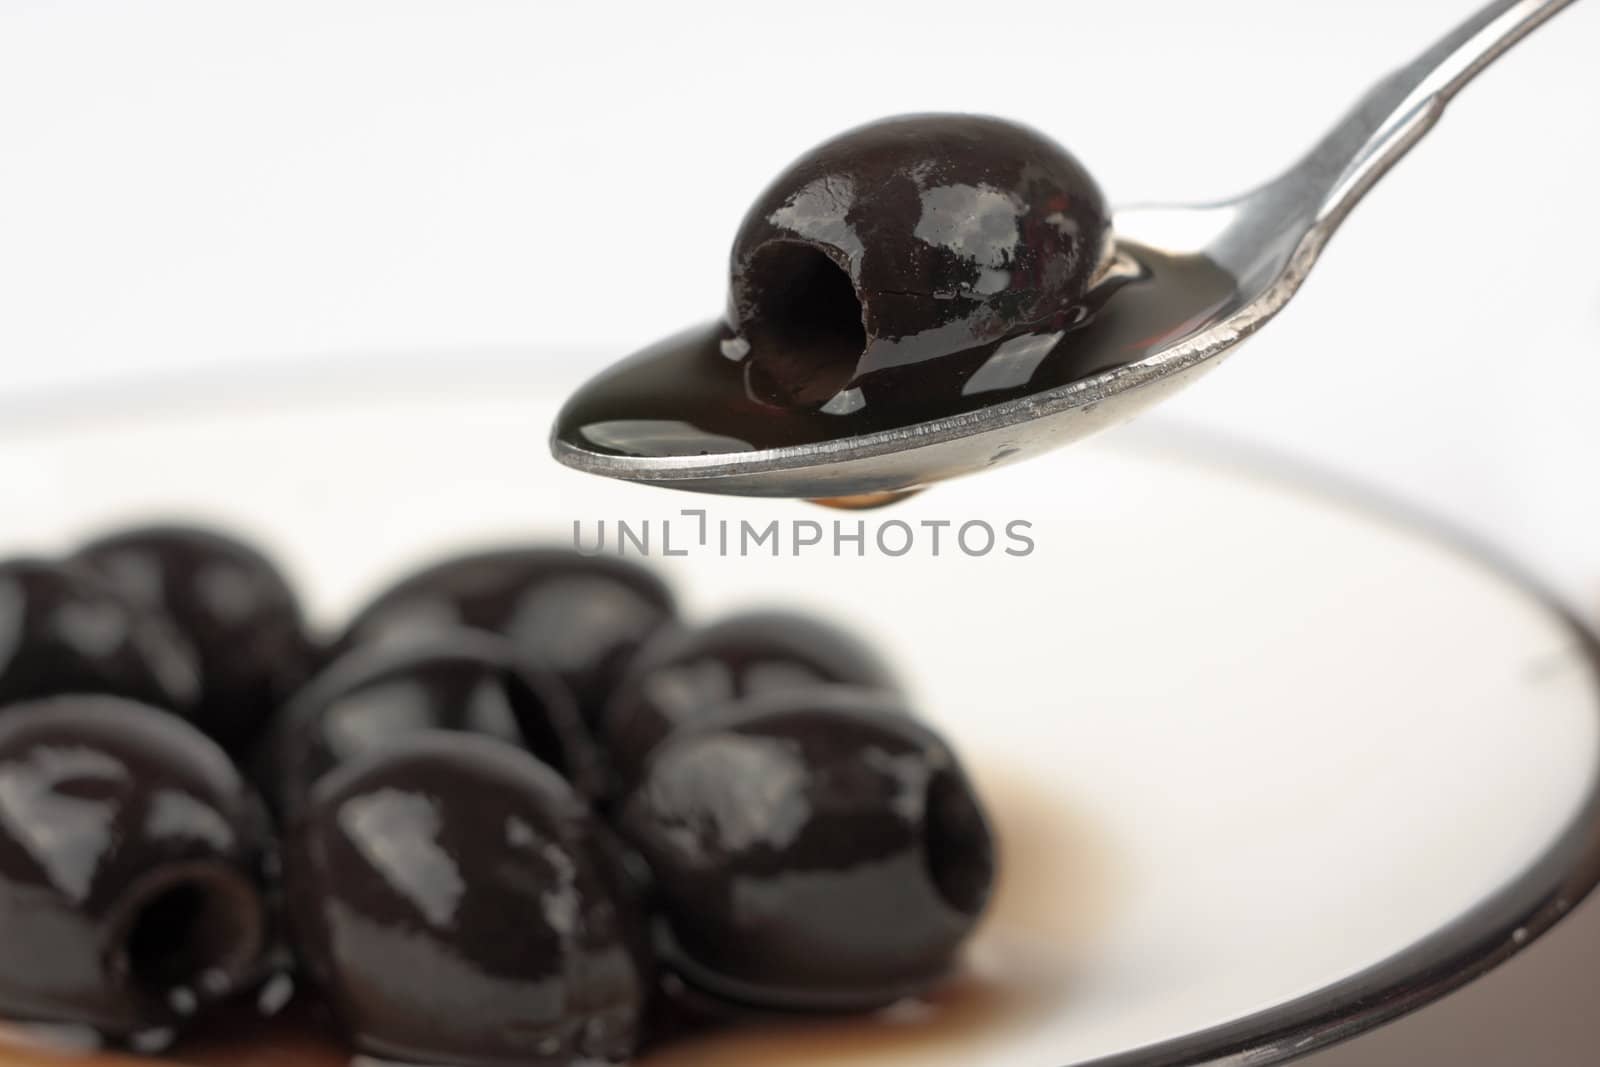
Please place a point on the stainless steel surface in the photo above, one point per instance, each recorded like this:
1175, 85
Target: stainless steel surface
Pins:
1267, 239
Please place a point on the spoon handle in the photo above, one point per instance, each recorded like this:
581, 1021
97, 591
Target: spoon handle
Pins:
1402, 107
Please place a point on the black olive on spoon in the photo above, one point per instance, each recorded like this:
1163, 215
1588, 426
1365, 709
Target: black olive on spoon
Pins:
453, 903
232, 604
836, 377
132, 858
907, 241
904, 268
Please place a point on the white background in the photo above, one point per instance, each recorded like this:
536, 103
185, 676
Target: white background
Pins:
203, 184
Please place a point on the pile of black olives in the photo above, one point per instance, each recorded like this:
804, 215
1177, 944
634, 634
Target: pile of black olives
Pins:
516, 813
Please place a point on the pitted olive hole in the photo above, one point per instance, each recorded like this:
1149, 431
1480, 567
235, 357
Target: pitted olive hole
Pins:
803, 322
958, 848
193, 936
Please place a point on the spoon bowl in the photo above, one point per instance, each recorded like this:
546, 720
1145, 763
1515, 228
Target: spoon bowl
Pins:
1263, 242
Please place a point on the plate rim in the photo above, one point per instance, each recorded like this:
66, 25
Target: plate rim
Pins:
1474, 942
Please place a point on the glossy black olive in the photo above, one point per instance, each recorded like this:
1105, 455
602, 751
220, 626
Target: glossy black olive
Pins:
131, 860
233, 606
687, 675
448, 899
452, 679
65, 629
582, 616
815, 849
905, 240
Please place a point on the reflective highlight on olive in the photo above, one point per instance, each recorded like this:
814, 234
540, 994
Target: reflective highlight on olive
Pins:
582, 617
450, 903
454, 679
233, 606
905, 240
132, 857
65, 629
818, 850
689, 675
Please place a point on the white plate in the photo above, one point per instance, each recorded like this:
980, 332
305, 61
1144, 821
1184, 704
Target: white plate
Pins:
1269, 767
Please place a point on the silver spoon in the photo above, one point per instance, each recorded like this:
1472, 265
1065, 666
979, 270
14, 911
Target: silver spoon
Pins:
1266, 240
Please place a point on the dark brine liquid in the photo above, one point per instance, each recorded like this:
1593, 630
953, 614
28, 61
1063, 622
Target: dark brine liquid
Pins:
692, 394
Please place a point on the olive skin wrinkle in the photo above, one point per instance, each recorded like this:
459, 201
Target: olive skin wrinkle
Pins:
814, 850
451, 904
688, 675
582, 617
132, 860
232, 604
